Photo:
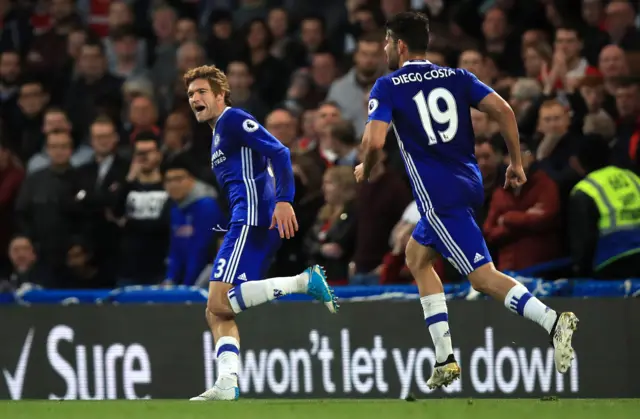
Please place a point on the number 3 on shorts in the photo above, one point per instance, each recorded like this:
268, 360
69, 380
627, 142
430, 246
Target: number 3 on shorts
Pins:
220, 268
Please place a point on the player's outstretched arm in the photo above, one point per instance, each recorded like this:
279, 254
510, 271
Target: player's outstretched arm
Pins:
500, 111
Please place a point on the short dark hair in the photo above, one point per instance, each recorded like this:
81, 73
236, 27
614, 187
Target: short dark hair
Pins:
180, 162
331, 103
124, 31
316, 17
627, 81
571, 27
103, 120
593, 152
11, 51
371, 37
344, 132
94, 43
60, 132
146, 136
56, 109
412, 28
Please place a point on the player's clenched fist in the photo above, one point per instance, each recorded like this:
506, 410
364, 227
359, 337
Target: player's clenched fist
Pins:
359, 172
515, 176
284, 218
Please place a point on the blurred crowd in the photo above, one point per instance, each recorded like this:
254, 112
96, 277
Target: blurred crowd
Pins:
105, 177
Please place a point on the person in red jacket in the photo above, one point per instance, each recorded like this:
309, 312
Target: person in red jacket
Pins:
523, 223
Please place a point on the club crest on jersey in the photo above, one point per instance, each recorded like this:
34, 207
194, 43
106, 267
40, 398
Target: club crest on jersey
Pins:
249, 125
216, 140
373, 105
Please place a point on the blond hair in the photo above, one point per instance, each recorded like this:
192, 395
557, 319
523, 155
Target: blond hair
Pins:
216, 78
343, 177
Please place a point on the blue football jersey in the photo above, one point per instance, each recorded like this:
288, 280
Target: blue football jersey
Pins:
429, 107
245, 157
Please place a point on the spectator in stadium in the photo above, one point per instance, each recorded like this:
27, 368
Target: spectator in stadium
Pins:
557, 142
524, 92
120, 15
10, 71
219, 44
604, 227
394, 268
94, 91
324, 71
163, 45
380, 203
186, 30
483, 126
621, 26
241, 82
318, 146
195, 216
628, 107
143, 117
613, 64
523, 224
308, 200
25, 128
331, 241
47, 209
177, 137
82, 270
26, 268
347, 91
536, 57
473, 61
278, 22
600, 124
568, 60
313, 38
593, 31
362, 19
500, 41
302, 94
282, 124
344, 143
75, 41
56, 120
100, 181
15, 29
143, 213
271, 76
489, 156
11, 177
128, 61
170, 93
47, 53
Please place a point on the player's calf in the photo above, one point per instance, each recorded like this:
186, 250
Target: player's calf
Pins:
520, 301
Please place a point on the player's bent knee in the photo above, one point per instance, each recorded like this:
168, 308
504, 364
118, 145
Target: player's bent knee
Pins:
218, 311
418, 257
218, 301
480, 278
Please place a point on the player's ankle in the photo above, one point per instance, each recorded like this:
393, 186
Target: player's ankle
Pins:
302, 282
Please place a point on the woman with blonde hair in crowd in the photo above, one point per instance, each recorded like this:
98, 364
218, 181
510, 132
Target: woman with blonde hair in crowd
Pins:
331, 241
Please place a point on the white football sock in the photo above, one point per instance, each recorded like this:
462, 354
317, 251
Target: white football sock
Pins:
436, 316
253, 293
227, 351
520, 301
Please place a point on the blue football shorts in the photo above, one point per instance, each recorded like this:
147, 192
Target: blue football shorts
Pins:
246, 254
456, 236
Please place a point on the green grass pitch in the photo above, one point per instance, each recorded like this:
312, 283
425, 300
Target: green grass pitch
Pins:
325, 409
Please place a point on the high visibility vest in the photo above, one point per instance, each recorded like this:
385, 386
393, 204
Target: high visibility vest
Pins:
616, 192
